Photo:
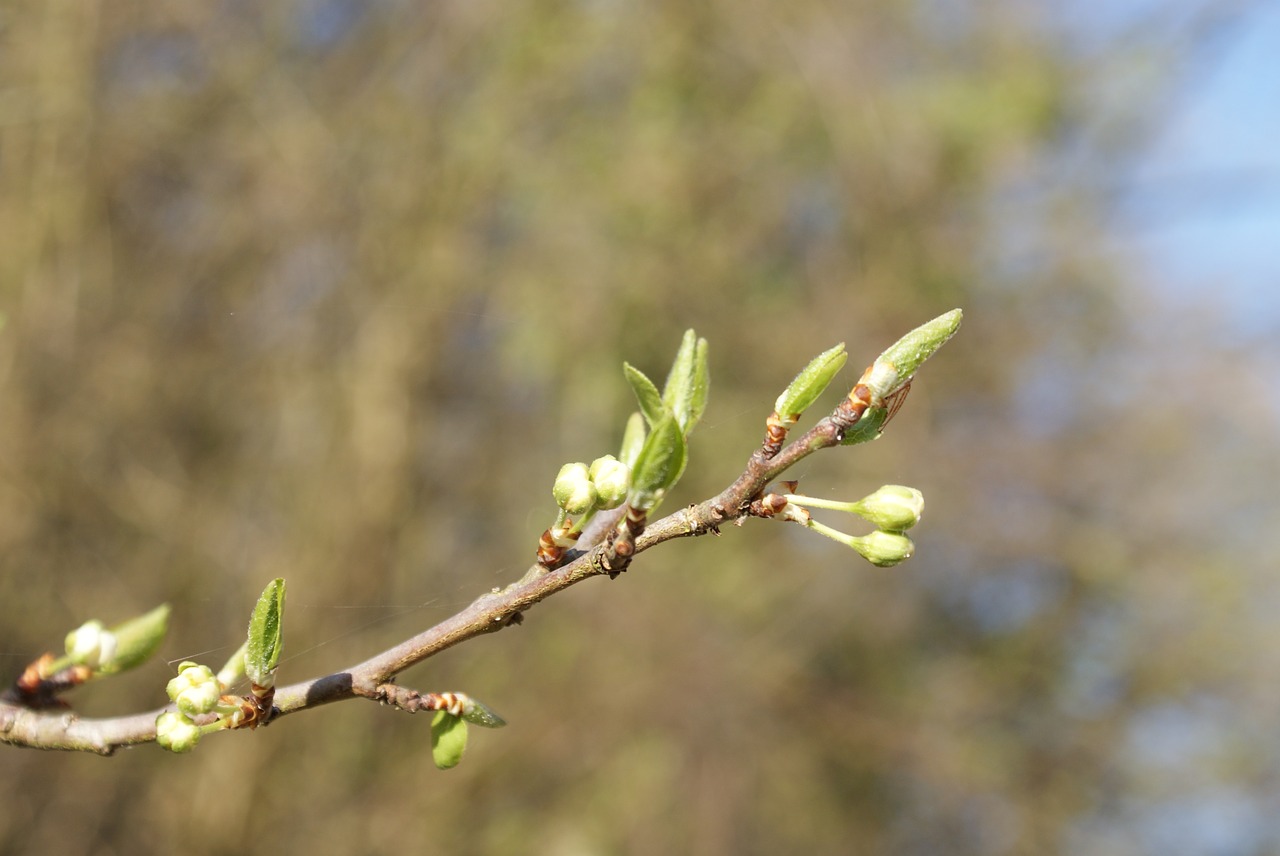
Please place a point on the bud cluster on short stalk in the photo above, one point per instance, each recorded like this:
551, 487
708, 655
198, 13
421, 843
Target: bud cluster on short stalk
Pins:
893, 509
581, 490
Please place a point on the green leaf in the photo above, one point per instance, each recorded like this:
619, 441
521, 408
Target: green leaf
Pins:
810, 383
685, 392
659, 464
868, 428
448, 739
647, 394
701, 387
136, 640
632, 440
263, 652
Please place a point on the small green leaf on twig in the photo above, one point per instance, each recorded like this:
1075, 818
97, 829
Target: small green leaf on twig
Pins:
647, 394
263, 652
868, 428
688, 382
448, 739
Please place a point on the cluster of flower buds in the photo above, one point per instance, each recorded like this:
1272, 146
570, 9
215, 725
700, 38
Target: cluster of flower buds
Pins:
580, 491
197, 693
893, 509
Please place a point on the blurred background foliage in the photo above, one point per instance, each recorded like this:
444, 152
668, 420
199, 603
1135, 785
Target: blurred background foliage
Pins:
329, 289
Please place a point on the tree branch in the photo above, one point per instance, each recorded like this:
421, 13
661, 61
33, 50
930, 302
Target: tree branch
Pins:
600, 550
492, 611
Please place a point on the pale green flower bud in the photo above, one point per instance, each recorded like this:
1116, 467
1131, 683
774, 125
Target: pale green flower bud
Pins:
883, 549
611, 478
195, 689
176, 732
893, 507
573, 489
879, 548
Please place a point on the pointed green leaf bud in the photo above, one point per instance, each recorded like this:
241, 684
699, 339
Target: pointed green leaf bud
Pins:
176, 732
90, 644
195, 689
809, 384
658, 466
647, 394
632, 440
895, 367
136, 640
893, 507
573, 489
688, 382
265, 636
610, 477
448, 739
883, 549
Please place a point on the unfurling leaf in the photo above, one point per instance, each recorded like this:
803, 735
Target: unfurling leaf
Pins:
688, 382
809, 384
263, 651
658, 466
632, 440
647, 394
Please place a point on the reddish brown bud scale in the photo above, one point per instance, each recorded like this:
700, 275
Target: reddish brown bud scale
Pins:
549, 552
451, 703
773, 503
34, 675
775, 434
247, 715
259, 704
